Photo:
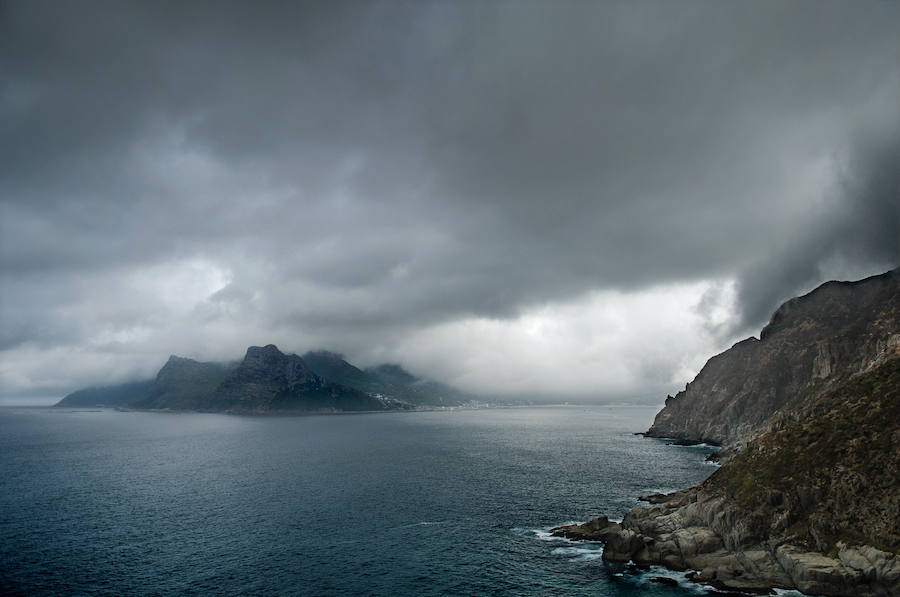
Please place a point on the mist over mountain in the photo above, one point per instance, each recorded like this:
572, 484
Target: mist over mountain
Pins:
578, 199
267, 380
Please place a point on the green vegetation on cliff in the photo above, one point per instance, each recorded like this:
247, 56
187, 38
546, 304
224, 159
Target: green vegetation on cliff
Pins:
809, 495
828, 470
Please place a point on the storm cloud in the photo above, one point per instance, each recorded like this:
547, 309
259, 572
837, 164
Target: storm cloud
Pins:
482, 191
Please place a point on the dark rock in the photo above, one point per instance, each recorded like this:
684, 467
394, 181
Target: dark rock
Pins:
660, 498
596, 529
664, 580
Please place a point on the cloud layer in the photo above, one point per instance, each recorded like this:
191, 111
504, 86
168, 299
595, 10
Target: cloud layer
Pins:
420, 181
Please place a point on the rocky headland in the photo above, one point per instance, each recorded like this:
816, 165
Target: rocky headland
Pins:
809, 496
811, 342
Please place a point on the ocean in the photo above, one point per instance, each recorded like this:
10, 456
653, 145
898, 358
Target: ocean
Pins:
102, 502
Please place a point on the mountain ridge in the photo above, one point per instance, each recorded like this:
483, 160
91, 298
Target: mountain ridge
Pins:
267, 380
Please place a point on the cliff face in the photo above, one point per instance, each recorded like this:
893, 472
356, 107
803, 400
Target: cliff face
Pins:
811, 343
810, 497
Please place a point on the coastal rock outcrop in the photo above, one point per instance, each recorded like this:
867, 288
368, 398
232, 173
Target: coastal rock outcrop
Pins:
808, 496
813, 503
597, 529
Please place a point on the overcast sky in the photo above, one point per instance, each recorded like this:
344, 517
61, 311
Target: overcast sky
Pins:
569, 199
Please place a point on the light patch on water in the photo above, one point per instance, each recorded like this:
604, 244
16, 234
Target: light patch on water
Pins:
642, 579
424, 523
588, 551
791, 593
543, 534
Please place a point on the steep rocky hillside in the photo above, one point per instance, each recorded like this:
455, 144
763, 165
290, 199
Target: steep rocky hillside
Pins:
813, 503
269, 380
810, 497
828, 470
811, 343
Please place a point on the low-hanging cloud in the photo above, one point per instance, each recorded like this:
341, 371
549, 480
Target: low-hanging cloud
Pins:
858, 226
196, 178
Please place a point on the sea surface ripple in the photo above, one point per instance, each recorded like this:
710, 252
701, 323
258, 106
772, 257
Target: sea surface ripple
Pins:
100, 502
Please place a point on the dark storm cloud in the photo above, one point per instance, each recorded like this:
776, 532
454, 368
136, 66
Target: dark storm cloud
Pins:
357, 170
859, 225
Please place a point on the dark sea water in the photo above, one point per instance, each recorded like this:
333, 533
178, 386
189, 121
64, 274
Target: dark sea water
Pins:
426, 503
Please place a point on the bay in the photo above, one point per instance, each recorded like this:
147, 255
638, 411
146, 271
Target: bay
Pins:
424, 503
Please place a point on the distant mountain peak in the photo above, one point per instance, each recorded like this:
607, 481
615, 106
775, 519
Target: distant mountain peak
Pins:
174, 358
267, 350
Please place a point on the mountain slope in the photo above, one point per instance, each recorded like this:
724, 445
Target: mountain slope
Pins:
812, 341
333, 367
269, 380
389, 381
117, 395
266, 380
828, 470
183, 384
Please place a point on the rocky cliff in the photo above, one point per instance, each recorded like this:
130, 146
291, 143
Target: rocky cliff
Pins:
810, 498
812, 504
811, 342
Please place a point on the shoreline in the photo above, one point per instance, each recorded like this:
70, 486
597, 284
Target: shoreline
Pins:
701, 532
